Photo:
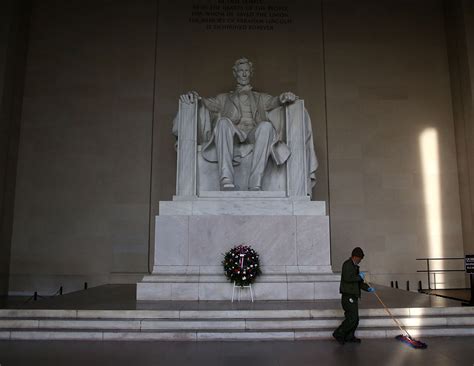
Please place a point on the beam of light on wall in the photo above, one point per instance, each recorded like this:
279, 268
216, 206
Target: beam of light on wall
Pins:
429, 150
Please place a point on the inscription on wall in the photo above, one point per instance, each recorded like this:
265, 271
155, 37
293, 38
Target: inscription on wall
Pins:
239, 15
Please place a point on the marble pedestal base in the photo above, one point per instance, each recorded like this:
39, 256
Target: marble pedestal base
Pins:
292, 238
215, 287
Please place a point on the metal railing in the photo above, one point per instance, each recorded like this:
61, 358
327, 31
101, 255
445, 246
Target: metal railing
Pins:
430, 271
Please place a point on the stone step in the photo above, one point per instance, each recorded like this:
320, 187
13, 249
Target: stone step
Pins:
225, 335
225, 324
202, 325
228, 314
230, 325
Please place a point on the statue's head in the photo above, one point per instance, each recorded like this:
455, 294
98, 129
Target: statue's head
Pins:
243, 71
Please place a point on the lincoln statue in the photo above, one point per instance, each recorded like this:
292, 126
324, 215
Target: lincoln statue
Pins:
242, 126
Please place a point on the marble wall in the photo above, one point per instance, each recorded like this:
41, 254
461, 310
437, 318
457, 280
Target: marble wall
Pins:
83, 183
101, 89
14, 19
460, 36
393, 178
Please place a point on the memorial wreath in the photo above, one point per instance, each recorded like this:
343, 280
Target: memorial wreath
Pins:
241, 265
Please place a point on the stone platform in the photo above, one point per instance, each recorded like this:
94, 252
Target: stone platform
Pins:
191, 236
111, 313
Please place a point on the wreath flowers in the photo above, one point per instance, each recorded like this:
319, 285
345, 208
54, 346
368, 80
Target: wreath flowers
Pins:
241, 265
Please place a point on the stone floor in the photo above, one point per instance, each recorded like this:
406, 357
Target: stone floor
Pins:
441, 351
455, 294
122, 297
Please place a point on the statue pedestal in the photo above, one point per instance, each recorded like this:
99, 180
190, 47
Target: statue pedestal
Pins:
291, 236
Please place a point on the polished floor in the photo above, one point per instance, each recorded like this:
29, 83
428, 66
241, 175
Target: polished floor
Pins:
441, 351
122, 297
455, 294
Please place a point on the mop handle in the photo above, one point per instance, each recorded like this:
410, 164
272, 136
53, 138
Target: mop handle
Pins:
390, 313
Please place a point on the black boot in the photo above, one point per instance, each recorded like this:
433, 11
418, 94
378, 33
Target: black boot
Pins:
339, 340
354, 340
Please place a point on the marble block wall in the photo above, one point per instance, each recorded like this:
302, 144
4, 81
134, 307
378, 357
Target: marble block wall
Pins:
283, 242
190, 244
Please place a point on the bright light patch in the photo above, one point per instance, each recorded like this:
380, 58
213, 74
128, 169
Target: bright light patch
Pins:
429, 149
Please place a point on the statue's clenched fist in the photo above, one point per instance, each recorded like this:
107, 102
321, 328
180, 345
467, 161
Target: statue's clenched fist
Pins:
287, 97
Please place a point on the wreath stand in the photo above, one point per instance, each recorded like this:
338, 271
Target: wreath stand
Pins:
240, 288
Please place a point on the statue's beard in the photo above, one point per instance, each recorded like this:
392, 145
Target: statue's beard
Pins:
243, 82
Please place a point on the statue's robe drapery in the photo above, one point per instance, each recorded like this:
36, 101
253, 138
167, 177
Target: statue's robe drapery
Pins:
264, 108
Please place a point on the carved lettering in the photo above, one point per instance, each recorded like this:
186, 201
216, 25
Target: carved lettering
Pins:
239, 15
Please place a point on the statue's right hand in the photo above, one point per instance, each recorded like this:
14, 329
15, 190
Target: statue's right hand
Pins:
190, 97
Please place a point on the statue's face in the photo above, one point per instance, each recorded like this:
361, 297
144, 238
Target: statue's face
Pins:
242, 74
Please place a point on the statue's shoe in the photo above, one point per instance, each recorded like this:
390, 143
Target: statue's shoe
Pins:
256, 188
227, 185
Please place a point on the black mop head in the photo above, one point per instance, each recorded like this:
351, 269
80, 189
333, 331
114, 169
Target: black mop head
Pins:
411, 342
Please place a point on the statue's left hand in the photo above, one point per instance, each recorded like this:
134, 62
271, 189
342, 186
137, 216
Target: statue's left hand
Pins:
288, 97
190, 97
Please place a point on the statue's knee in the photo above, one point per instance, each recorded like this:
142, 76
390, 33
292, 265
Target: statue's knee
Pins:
264, 127
223, 123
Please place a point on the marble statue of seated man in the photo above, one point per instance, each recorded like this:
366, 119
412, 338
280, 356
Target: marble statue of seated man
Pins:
242, 125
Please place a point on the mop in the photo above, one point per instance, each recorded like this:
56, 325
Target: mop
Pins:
408, 339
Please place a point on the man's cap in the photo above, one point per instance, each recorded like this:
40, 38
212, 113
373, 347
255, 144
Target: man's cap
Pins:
358, 252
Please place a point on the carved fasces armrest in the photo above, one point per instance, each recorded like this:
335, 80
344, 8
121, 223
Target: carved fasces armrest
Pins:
185, 123
297, 167
186, 130
197, 115
292, 110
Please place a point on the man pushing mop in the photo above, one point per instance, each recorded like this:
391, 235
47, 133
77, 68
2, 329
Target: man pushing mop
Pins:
352, 281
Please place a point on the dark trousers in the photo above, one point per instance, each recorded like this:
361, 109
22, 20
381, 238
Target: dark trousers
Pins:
351, 312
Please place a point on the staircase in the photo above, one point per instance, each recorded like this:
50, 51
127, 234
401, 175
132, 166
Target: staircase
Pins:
225, 325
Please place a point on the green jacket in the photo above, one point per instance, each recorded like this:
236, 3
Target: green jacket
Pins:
351, 283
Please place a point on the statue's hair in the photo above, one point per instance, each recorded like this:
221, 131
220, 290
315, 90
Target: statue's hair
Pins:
241, 61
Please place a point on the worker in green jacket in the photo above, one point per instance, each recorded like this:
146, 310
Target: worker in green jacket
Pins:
352, 281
